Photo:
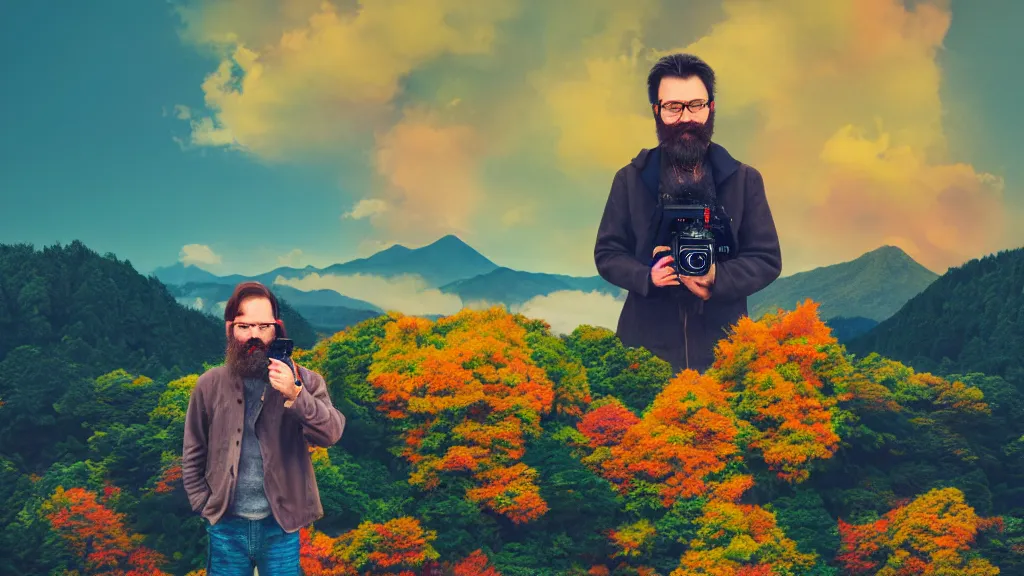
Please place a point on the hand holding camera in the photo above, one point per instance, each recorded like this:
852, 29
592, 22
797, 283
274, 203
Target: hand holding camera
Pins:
282, 371
663, 273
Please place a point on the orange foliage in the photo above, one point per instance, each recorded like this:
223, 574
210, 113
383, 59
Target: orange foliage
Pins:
394, 547
316, 555
955, 395
929, 536
686, 436
775, 368
468, 382
97, 535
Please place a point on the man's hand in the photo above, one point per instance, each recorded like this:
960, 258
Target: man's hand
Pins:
663, 274
700, 285
283, 380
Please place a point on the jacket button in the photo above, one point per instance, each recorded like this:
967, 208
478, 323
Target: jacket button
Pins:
239, 400
236, 442
239, 429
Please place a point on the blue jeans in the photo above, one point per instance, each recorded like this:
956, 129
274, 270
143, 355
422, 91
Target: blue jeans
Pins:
237, 545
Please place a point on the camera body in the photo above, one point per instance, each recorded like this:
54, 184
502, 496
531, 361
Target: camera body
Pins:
698, 236
281, 349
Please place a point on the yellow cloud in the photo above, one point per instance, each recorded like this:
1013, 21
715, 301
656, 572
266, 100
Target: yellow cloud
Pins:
469, 111
327, 81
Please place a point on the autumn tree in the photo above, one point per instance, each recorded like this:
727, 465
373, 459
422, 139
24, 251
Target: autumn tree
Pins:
97, 536
741, 540
468, 396
932, 535
779, 371
397, 547
682, 444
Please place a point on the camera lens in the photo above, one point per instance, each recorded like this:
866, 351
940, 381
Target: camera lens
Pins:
696, 261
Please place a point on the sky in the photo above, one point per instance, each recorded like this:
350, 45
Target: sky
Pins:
244, 135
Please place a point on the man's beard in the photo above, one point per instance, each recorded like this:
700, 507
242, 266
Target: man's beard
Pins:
685, 143
247, 359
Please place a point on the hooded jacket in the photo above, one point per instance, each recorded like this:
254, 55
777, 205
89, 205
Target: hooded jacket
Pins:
671, 322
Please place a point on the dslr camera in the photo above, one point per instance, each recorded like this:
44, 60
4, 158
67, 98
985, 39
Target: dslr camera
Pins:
698, 236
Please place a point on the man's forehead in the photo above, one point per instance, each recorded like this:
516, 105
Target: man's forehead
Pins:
682, 89
255, 310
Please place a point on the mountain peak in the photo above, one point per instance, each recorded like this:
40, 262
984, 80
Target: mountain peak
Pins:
449, 241
874, 285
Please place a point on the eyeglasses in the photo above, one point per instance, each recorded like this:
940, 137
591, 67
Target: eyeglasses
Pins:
245, 327
673, 109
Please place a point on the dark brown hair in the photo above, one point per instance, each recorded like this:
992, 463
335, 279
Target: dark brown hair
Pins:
681, 66
252, 289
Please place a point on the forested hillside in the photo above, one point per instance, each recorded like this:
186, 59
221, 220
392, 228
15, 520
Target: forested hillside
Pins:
530, 454
970, 319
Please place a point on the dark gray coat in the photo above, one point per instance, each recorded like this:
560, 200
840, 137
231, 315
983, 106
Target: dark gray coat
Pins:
671, 322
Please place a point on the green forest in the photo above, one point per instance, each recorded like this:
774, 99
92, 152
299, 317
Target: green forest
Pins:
483, 444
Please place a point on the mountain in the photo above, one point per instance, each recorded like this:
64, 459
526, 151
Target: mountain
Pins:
305, 313
69, 315
845, 329
446, 260
442, 262
514, 287
873, 286
970, 319
211, 296
179, 273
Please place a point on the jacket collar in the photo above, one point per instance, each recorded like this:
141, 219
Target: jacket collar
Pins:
648, 161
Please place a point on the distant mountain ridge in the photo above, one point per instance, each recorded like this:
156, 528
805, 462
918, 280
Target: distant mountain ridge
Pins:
444, 261
854, 295
873, 286
970, 319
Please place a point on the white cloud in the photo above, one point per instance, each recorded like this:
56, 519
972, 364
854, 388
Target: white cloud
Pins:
567, 309
365, 208
293, 259
407, 294
198, 255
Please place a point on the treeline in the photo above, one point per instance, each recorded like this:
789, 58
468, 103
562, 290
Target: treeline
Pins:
483, 443
971, 319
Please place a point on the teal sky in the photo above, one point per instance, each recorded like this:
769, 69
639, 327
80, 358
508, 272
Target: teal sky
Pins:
90, 146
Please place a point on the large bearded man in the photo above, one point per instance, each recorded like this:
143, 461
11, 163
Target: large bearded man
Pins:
680, 318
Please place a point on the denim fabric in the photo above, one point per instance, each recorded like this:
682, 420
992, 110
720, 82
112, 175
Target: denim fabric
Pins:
237, 545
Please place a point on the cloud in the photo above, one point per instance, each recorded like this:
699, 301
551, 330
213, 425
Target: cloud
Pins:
568, 309
293, 259
198, 255
504, 121
564, 310
407, 294
849, 136
365, 208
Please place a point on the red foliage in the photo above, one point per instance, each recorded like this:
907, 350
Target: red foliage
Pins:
607, 424
476, 564
97, 536
169, 479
